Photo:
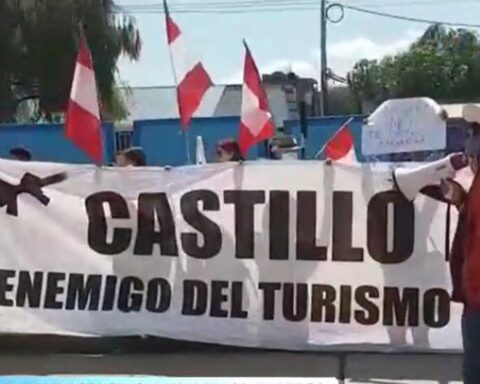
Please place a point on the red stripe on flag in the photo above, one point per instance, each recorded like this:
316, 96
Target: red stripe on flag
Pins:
172, 29
82, 124
84, 57
246, 140
190, 92
340, 144
84, 130
251, 77
255, 109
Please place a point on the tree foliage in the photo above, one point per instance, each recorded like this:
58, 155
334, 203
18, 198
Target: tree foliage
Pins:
443, 64
38, 45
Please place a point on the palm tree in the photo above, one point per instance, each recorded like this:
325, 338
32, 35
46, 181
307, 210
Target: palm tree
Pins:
47, 34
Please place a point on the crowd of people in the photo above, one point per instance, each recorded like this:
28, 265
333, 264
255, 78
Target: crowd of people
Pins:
226, 151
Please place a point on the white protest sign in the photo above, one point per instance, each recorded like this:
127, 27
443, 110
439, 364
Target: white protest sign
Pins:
297, 255
404, 125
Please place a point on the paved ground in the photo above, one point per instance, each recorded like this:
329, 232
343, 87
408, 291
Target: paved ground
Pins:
386, 381
74, 379
438, 369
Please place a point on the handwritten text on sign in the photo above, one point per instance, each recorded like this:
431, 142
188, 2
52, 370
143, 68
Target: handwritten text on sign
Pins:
404, 125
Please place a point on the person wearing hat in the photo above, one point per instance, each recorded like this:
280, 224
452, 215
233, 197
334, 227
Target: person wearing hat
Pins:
20, 154
132, 157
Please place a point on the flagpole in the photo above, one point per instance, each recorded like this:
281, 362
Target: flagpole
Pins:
82, 35
332, 137
98, 164
175, 79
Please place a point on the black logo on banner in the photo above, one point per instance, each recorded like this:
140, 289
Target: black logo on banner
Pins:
30, 184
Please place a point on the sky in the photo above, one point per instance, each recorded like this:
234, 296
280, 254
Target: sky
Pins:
287, 40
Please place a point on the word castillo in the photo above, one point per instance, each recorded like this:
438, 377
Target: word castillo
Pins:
110, 231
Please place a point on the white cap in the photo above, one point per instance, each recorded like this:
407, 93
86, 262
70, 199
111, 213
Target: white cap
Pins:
471, 113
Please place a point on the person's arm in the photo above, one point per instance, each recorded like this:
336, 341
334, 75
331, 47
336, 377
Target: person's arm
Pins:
449, 192
435, 192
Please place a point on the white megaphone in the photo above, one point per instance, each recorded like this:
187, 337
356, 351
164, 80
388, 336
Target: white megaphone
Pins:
410, 181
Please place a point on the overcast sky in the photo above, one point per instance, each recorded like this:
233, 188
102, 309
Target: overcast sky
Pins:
284, 40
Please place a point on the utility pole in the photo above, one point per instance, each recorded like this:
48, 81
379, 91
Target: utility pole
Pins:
323, 59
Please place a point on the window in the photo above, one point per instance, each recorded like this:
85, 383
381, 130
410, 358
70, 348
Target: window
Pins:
123, 140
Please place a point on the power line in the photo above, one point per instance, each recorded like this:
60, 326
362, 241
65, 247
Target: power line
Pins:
267, 3
245, 6
254, 6
408, 18
221, 4
410, 3
221, 11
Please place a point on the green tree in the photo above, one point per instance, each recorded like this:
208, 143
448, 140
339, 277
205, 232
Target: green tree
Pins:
443, 64
41, 37
9, 52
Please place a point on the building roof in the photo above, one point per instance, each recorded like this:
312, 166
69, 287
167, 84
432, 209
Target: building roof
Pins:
151, 103
456, 111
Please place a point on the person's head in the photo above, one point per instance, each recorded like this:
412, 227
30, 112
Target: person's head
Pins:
228, 150
473, 163
20, 154
472, 147
132, 157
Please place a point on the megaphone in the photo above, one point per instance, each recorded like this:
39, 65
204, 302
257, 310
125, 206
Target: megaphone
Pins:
410, 181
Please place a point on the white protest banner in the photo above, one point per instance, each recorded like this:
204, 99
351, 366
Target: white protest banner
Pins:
404, 125
291, 255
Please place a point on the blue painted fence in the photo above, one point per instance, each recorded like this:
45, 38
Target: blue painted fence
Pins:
166, 144
319, 130
47, 142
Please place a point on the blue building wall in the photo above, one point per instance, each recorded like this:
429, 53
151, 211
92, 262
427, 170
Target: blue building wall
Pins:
47, 142
165, 144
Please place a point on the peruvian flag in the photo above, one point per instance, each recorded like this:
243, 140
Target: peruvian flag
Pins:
83, 125
341, 146
192, 80
256, 123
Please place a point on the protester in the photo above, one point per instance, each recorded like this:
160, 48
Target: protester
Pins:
20, 154
274, 151
465, 258
228, 150
132, 157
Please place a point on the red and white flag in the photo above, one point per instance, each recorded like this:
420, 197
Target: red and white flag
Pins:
256, 123
341, 146
83, 125
192, 80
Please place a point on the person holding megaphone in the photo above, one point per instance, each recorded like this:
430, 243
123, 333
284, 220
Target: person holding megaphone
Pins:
465, 258
436, 181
